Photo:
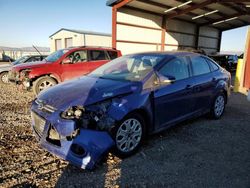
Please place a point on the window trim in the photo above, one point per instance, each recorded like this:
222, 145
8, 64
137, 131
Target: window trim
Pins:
207, 59
105, 52
188, 62
193, 69
66, 55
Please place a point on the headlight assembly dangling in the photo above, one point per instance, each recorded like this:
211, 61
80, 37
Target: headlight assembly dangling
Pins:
74, 112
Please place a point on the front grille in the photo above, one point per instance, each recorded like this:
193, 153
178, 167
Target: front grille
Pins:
44, 107
39, 123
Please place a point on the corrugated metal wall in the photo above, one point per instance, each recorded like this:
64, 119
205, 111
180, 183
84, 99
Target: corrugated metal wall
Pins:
139, 31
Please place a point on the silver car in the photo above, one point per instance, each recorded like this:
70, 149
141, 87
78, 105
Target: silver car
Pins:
5, 68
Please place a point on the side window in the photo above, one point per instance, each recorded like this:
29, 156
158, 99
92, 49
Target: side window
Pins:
112, 54
199, 65
177, 67
78, 56
96, 55
33, 59
213, 66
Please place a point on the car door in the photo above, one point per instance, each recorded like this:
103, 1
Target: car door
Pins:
174, 102
204, 82
77, 65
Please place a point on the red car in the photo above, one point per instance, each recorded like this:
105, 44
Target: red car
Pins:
61, 65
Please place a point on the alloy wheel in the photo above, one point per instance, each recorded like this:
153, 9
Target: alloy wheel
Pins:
129, 135
45, 85
4, 78
219, 105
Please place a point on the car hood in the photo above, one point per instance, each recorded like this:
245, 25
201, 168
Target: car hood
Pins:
29, 65
5, 67
85, 91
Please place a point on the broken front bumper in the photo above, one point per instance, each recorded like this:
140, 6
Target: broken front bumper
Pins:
59, 137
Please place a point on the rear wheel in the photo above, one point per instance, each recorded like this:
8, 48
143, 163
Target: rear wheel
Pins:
129, 135
4, 78
218, 106
43, 83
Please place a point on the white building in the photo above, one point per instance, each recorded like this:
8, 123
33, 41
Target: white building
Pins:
65, 38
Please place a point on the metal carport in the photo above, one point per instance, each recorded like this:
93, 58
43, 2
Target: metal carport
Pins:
149, 25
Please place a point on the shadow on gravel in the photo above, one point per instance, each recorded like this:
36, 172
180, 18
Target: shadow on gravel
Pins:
196, 153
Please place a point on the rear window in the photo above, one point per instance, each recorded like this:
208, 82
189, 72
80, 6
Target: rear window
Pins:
112, 54
96, 55
199, 65
213, 66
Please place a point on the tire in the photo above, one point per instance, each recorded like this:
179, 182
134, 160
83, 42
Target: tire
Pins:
4, 78
218, 106
43, 83
129, 135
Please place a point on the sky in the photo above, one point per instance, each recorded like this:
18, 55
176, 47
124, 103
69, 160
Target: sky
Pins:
31, 22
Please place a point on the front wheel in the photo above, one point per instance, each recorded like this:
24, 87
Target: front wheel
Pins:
129, 135
218, 106
4, 78
43, 83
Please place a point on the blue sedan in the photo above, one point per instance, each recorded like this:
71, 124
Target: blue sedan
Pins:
120, 103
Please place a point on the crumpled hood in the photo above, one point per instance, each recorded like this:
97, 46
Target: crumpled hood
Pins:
85, 91
30, 65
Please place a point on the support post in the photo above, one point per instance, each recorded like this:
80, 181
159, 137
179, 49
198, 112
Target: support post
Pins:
163, 33
197, 37
219, 42
246, 83
114, 27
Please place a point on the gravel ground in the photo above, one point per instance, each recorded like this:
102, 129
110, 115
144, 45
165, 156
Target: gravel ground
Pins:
197, 153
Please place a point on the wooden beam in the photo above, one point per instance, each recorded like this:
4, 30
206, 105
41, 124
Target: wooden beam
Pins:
191, 8
224, 18
122, 3
243, 25
160, 5
202, 6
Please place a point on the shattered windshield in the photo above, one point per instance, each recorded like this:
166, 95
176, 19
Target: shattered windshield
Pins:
130, 68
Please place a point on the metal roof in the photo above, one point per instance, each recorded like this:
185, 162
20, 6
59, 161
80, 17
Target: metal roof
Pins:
24, 49
221, 14
82, 32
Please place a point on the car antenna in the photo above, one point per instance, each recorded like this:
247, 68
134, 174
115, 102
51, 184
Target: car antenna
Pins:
36, 49
39, 52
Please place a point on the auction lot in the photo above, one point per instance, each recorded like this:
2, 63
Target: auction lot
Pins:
197, 153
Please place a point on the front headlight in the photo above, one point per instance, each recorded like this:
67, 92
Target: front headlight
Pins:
96, 111
25, 73
74, 112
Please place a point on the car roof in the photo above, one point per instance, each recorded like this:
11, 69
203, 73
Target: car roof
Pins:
91, 47
169, 53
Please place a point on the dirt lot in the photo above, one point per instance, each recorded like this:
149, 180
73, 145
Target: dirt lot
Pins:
197, 153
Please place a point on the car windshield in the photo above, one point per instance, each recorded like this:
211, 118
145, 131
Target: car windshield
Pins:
20, 60
128, 68
56, 55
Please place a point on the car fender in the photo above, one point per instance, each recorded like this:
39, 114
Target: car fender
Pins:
135, 103
222, 86
33, 75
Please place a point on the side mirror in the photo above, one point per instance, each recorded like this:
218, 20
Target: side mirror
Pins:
66, 61
164, 79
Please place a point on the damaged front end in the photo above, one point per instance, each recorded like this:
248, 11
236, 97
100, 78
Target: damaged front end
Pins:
80, 135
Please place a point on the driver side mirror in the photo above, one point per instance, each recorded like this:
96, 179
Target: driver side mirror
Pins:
66, 61
164, 80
